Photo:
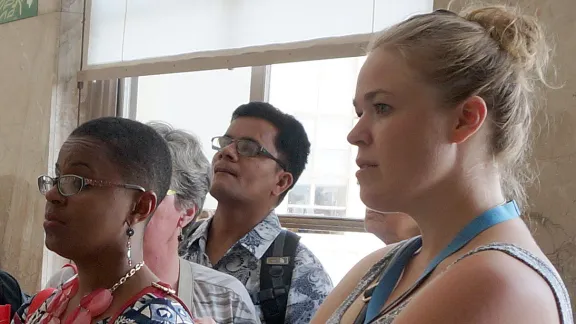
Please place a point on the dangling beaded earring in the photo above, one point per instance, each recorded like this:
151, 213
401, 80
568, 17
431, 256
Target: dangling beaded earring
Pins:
180, 237
130, 233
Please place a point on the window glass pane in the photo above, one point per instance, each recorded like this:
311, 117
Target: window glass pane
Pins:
183, 26
319, 94
330, 212
325, 86
301, 210
337, 85
330, 196
309, 124
332, 133
299, 195
294, 87
306, 176
175, 27
123, 29
331, 163
106, 32
273, 21
339, 252
199, 102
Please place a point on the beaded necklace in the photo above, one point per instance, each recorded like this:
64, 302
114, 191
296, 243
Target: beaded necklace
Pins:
91, 306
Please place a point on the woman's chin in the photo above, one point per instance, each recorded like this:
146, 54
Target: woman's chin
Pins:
58, 246
377, 201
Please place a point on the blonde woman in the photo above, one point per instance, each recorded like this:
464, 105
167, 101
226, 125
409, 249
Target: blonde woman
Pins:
445, 114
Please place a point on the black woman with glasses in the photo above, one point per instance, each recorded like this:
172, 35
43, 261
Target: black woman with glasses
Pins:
111, 174
258, 160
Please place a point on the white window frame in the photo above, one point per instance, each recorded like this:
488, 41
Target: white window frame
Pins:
260, 59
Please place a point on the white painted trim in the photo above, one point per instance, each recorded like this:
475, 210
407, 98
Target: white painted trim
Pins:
317, 49
128, 98
260, 83
86, 32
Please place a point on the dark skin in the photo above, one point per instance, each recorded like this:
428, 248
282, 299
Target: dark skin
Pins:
90, 227
247, 188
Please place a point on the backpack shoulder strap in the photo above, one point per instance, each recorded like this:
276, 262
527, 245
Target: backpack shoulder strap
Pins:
276, 271
186, 283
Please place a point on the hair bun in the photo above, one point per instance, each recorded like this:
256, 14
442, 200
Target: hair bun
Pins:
519, 35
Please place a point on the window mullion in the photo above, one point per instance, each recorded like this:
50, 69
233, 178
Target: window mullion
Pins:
260, 83
128, 98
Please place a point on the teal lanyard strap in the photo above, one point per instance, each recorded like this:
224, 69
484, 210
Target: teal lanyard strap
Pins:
481, 223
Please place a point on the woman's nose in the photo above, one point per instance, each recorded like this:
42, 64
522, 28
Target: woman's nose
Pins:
360, 133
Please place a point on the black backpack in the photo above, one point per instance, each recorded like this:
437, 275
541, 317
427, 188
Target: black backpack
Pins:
275, 275
10, 292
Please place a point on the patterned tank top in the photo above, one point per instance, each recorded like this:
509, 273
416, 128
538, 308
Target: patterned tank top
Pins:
548, 273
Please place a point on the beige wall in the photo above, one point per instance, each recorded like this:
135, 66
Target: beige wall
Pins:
39, 58
553, 199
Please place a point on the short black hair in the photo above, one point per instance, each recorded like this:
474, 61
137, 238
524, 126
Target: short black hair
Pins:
142, 155
291, 141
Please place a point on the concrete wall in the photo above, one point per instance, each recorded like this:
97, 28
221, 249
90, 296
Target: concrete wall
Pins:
39, 58
553, 200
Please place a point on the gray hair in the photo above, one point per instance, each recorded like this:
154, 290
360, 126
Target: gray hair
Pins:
191, 170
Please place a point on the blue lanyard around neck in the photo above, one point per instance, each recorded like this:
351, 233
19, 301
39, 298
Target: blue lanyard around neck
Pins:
481, 223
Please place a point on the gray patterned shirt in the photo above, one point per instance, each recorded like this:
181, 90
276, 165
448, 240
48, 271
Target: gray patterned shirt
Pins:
209, 293
310, 282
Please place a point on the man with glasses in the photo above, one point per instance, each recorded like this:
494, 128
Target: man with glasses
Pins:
258, 160
207, 292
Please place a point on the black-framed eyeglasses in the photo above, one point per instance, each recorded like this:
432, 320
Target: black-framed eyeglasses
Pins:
71, 184
244, 147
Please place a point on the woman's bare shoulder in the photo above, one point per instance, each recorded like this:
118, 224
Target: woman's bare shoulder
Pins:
481, 287
349, 283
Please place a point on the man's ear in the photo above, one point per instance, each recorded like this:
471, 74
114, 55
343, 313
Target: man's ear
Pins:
144, 207
284, 182
188, 216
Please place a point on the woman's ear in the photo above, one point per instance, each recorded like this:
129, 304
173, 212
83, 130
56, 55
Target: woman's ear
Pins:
188, 216
471, 116
144, 207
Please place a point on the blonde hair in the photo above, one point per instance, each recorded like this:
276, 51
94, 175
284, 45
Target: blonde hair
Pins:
494, 52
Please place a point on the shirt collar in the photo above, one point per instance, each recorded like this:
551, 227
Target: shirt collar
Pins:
200, 232
257, 241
